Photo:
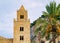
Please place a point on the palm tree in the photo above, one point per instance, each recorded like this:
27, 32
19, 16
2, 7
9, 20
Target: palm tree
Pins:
49, 20
52, 15
41, 24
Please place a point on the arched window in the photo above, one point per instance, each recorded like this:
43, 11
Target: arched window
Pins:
21, 28
21, 16
21, 37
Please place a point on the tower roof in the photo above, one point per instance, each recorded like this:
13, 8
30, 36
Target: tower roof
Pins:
22, 8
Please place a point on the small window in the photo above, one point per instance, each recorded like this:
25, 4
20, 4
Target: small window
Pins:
21, 37
21, 28
21, 16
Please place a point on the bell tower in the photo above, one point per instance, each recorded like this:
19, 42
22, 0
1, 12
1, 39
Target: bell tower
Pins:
21, 27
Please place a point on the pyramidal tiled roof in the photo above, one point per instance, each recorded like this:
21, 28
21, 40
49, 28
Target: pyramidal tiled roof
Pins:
22, 8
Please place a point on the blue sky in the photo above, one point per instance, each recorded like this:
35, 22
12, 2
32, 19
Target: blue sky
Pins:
8, 10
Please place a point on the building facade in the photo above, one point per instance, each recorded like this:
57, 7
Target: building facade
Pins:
5, 40
21, 27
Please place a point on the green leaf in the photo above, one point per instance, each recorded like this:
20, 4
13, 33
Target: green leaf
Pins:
37, 30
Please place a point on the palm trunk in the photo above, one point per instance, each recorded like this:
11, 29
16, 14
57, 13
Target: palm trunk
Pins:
39, 36
53, 39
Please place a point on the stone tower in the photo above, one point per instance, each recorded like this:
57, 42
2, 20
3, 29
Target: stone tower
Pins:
21, 27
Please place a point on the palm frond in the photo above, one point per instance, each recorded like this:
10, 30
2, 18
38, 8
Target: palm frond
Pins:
58, 9
48, 9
